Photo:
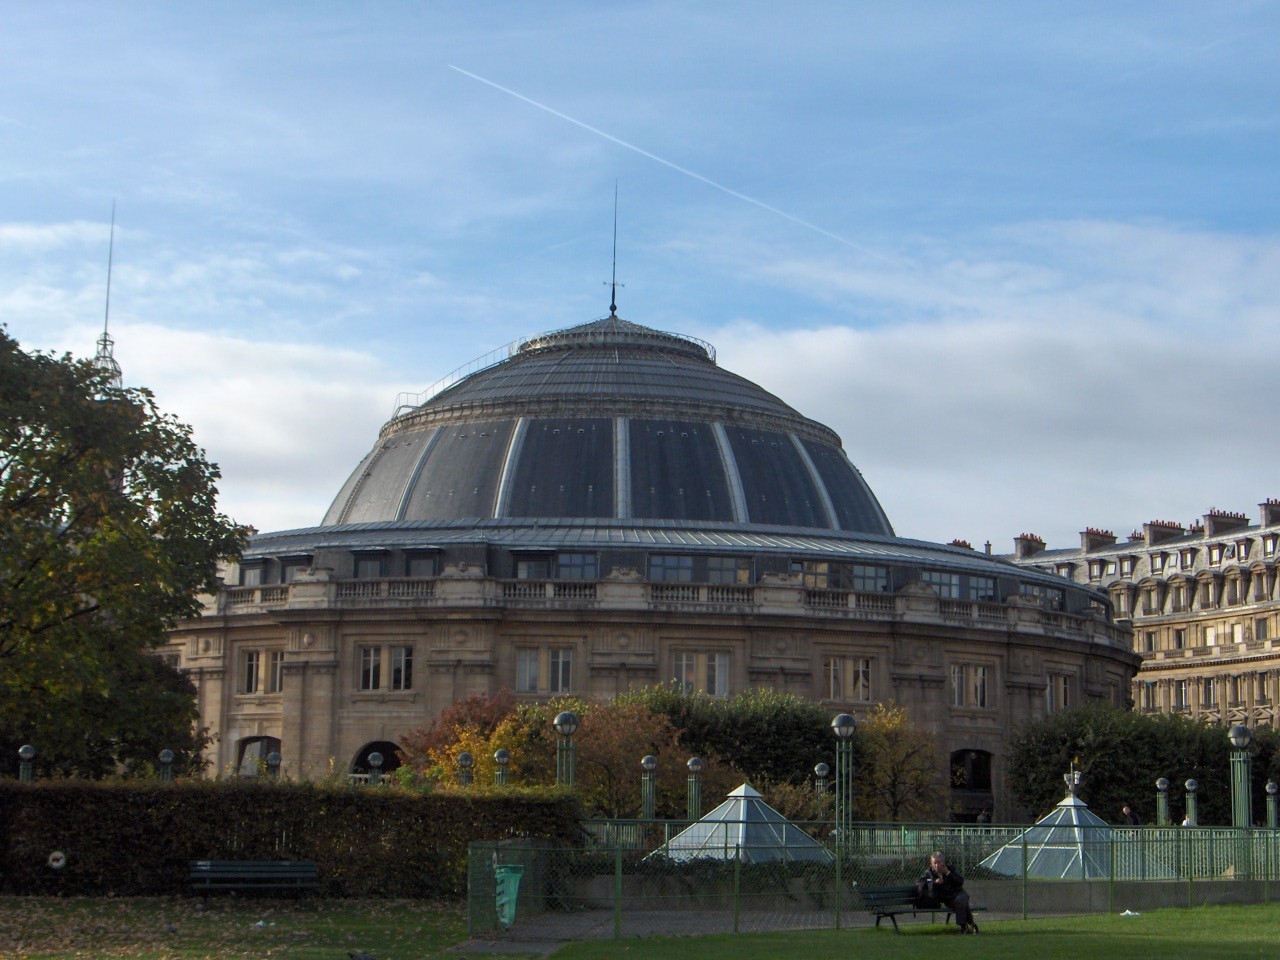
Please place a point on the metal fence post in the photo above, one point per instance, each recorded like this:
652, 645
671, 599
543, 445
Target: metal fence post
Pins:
737, 883
839, 882
617, 891
1025, 891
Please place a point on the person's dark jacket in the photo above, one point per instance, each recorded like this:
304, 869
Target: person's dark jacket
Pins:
933, 889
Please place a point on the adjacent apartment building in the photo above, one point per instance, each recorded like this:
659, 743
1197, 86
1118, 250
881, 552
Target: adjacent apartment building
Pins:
1202, 600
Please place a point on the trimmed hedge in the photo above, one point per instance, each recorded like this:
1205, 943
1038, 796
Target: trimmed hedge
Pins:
135, 838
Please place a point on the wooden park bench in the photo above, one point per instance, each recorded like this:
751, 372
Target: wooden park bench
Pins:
249, 875
892, 901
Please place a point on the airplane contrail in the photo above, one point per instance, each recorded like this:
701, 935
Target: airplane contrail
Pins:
674, 166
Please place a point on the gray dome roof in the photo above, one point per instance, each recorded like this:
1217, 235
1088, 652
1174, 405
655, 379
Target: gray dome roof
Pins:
609, 420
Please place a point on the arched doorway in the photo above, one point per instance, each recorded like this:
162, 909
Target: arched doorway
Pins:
971, 796
390, 758
252, 753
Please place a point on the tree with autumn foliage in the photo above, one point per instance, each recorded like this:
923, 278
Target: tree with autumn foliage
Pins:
611, 740
109, 531
898, 776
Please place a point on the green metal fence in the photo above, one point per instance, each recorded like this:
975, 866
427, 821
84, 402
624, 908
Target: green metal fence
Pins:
622, 882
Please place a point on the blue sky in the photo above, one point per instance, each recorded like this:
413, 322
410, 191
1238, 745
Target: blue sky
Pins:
1025, 259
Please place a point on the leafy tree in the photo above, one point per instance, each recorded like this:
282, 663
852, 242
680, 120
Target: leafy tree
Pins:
1122, 754
899, 776
769, 736
109, 530
610, 741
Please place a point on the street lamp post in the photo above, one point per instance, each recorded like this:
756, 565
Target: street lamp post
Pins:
648, 788
843, 726
465, 762
1271, 804
26, 754
566, 725
502, 757
1241, 786
1162, 802
375, 768
166, 765
820, 773
1193, 812
695, 788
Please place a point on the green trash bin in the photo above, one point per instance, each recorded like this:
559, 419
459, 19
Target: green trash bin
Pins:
507, 889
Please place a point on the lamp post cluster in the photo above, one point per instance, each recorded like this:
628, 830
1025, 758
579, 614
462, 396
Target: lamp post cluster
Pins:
1241, 738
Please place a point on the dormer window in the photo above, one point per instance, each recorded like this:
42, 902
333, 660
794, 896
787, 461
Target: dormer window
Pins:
1157, 563
1126, 566
1095, 569
1242, 549
1187, 558
1215, 554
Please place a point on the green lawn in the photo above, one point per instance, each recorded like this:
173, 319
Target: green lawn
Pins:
1203, 933
39, 928
42, 928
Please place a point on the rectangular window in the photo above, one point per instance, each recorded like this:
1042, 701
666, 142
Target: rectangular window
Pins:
978, 686
369, 568
1126, 566
526, 670
1179, 638
1180, 701
947, 584
728, 570
969, 685
1122, 603
1210, 636
251, 672
1111, 567
1242, 549
1269, 545
1260, 631
1237, 633
1209, 694
1149, 641
561, 670
275, 672
670, 568
1057, 692
544, 670
402, 668
370, 668
1235, 690
1148, 696
981, 589
251, 576
1188, 559
293, 567
701, 672
848, 679
420, 565
816, 574
1260, 688
869, 579
533, 568
1215, 554
1157, 563
576, 566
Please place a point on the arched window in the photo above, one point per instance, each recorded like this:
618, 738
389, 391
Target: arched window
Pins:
252, 753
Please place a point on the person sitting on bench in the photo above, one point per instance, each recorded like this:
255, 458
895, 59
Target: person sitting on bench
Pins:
942, 886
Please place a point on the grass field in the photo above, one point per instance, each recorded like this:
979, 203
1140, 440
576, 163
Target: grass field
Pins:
33, 928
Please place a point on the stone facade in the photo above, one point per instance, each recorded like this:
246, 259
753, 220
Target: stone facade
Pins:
1203, 604
608, 508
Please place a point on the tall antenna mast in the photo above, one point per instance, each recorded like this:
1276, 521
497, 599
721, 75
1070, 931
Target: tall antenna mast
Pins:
613, 284
105, 360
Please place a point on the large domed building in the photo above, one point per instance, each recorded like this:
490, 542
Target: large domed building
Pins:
605, 507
